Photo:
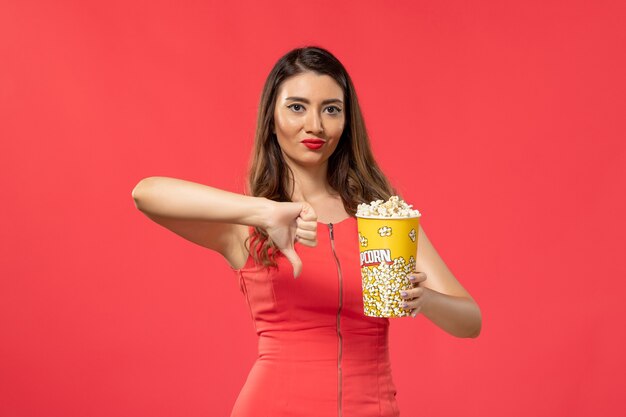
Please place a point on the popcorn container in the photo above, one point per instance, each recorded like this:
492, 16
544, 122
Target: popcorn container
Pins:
388, 247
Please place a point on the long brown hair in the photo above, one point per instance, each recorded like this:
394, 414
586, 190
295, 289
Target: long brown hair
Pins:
352, 170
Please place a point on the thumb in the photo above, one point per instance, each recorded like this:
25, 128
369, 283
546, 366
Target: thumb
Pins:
307, 213
294, 259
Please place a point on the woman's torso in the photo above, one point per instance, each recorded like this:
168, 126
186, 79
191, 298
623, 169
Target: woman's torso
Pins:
319, 355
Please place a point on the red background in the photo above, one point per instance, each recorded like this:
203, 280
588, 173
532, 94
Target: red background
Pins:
502, 121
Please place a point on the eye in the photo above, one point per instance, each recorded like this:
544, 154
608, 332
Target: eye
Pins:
296, 107
333, 110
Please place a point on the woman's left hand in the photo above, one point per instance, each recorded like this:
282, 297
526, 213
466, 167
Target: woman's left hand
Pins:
414, 298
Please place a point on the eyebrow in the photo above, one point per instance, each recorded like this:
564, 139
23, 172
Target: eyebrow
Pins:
304, 100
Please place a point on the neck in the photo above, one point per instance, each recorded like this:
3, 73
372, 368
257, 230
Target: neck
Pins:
310, 183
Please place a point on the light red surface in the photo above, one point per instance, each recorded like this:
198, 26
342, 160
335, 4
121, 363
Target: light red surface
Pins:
502, 122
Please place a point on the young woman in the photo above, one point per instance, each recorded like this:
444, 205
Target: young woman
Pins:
319, 355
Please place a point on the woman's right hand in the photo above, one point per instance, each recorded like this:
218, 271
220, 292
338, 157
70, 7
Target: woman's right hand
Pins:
291, 222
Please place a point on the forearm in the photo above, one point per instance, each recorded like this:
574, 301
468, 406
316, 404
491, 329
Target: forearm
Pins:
175, 198
458, 316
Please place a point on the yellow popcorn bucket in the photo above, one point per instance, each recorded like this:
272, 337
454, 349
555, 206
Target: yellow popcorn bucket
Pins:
388, 247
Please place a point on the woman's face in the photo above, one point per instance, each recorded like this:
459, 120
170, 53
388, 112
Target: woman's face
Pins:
309, 118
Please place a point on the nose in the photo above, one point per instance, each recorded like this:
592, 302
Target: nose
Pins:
313, 123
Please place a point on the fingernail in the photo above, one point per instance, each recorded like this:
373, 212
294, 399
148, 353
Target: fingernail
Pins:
403, 293
412, 278
403, 304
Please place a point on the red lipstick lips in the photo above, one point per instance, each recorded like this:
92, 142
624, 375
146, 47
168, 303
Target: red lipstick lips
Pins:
313, 143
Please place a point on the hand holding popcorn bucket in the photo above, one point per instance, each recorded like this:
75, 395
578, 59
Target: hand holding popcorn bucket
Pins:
388, 247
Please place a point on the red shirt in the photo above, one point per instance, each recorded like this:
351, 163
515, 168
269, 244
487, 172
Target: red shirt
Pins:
319, 355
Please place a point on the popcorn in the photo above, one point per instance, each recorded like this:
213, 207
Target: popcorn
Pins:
382, 286
362, 240
388, 246
393, 208
384, 231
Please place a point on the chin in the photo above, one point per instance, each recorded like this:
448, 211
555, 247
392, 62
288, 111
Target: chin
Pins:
310, 162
